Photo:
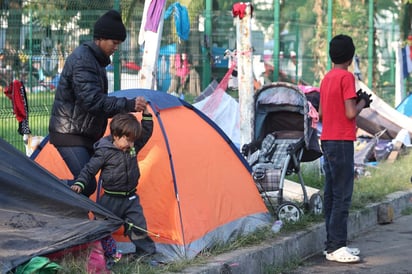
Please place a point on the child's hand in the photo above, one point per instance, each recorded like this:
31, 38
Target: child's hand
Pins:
76, 188
363, 95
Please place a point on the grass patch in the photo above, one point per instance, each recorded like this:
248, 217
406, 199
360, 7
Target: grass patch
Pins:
39, 112
407, 211
383, 180
286, 268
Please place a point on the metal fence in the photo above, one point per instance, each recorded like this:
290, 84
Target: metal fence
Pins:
36, 38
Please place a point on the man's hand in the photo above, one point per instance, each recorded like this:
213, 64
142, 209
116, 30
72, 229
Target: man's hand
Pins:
140, 104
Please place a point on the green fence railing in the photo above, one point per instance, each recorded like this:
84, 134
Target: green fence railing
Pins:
36, 37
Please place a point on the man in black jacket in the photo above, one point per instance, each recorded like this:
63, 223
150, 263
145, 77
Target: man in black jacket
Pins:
81, 106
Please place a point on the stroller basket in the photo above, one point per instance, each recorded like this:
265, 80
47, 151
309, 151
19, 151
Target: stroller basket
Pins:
267, 179
274, 158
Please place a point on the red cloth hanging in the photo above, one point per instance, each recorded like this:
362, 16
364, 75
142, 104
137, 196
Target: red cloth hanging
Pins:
239, 9
16, 92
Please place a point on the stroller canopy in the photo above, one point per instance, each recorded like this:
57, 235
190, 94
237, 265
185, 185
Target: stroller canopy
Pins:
284, 107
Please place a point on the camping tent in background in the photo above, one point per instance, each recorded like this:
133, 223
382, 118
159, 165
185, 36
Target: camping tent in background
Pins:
196, 188
225, 114
221, 108
39, 215
380, 116
405, 107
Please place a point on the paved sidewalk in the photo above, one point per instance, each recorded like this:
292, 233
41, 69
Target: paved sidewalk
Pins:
384, 248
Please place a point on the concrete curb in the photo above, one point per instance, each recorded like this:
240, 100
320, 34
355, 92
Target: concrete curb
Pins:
303, 244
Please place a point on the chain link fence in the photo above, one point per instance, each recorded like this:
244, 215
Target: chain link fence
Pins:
36, 37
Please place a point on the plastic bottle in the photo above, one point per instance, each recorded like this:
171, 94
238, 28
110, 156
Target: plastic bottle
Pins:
277, 226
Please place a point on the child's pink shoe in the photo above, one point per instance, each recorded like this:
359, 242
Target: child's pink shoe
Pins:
97, 263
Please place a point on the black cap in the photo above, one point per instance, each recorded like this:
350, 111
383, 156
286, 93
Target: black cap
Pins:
341, 49
110, 26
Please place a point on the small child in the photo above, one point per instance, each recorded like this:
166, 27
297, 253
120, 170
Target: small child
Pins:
115, 157
339, 107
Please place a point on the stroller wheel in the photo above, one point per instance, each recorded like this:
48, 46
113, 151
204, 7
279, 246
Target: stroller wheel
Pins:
316, 204
289, 212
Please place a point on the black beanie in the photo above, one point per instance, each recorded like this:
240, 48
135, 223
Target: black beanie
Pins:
110, 26
341, 49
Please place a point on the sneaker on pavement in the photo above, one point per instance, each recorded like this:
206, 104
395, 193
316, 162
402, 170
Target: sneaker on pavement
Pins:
353, 250
342, 255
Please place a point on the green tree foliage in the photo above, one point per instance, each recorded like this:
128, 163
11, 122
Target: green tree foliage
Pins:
60, 12
407, 18
128, 7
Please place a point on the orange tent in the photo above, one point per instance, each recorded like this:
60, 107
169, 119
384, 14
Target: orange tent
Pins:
196, 189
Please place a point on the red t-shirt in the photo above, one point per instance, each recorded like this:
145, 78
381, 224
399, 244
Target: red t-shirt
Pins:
337, 86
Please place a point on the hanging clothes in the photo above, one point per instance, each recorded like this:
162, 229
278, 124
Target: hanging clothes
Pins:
181, 17
154, 14
16, 92
239, 9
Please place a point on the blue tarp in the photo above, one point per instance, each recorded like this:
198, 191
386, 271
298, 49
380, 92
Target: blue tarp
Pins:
41, 215
405, 107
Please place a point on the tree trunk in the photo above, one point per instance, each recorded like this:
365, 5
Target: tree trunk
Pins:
245, 76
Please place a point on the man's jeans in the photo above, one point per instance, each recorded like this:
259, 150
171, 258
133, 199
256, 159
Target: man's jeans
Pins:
76, 157
339, 177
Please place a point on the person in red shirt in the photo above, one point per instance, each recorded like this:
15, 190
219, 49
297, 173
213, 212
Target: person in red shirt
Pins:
339, 106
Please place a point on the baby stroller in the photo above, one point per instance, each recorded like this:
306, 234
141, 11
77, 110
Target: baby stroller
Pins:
283, 137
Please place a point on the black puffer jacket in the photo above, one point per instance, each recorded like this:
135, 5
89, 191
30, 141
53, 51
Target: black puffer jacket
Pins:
81, 105
119, 169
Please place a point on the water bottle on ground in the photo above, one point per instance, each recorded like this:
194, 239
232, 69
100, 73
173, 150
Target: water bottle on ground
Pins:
277, 226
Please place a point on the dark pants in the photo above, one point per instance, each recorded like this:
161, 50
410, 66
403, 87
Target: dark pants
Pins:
130, 210
338, 189
76, 157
